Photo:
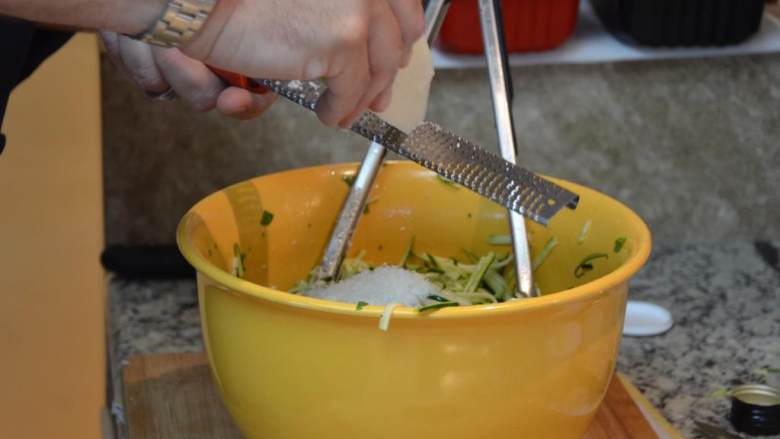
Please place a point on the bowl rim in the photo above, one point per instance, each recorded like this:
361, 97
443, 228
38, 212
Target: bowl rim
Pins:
585, 292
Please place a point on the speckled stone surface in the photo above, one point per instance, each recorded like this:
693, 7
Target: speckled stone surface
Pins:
724, 296
692, 145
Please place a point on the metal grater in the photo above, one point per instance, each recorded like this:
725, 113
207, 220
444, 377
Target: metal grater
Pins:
450, 156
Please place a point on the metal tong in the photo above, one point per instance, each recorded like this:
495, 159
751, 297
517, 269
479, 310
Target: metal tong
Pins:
502, 92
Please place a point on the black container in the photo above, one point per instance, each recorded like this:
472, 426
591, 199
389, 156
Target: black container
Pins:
755, 409
678, 23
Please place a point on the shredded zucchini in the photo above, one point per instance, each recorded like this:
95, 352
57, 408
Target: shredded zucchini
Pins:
239, 269
546, 250
407, 253
437, 305
584, 232
479, 273
384, 321
500, 240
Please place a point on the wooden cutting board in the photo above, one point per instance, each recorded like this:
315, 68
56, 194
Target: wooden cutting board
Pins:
171, 396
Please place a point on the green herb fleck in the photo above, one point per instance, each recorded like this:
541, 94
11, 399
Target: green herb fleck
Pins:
766, 371
542, 256
586, 264
267, 218
446, 181
438, 305
349, 180
367, 208
439, 299
720, 393
361, 305
619, 243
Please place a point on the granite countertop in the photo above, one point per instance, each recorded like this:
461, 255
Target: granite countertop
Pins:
724, 296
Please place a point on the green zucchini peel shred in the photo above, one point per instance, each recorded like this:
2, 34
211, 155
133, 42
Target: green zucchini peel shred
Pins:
542, 256
437, 305
586, 265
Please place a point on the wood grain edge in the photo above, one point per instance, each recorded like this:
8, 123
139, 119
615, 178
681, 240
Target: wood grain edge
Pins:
619, 416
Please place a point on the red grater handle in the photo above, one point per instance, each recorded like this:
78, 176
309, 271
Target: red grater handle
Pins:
240, 81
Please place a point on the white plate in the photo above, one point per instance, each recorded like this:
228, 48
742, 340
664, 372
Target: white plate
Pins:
591, 43
644, 319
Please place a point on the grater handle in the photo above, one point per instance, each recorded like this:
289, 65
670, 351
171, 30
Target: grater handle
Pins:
240, 81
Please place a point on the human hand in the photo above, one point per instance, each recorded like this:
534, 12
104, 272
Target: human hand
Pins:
356, 46
166, 73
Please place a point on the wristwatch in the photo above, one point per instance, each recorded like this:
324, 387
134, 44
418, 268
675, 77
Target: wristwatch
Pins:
180, 20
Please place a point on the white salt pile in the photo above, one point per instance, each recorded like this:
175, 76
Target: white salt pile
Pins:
382, 286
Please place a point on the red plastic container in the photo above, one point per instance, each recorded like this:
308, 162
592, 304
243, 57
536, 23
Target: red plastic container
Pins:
529, 25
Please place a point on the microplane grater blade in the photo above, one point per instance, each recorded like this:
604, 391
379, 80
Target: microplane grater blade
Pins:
487, 174
450, 156
303, 93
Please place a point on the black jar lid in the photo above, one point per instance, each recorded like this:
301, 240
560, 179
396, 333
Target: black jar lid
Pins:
755, 409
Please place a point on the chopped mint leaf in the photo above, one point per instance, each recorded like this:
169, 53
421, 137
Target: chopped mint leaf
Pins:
367, 208
619, 243
361, 305
267, 218
349, 180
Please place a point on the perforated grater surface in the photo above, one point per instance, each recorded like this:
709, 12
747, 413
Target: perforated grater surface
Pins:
450, 156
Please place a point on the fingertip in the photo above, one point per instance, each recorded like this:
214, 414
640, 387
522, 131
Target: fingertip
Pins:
347, 122
326, 112
382, 102
243, 105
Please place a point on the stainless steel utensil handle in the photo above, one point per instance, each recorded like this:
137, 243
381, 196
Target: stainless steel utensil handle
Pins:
353, 207
503, 94
435, 12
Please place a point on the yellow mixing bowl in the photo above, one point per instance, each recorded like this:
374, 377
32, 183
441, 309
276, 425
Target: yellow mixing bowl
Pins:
292, 367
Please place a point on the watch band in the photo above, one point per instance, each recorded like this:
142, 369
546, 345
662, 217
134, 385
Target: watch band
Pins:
178, 23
